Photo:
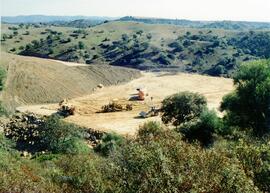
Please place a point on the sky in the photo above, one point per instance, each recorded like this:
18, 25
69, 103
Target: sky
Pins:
239, 10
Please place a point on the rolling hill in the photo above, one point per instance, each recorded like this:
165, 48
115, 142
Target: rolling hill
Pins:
139, 45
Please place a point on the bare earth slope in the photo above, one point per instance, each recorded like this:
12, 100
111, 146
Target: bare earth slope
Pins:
158, 86
35, 81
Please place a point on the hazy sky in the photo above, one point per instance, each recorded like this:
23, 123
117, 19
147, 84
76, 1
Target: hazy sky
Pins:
252, 10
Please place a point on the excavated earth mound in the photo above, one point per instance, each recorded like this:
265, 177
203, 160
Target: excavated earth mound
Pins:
33, 80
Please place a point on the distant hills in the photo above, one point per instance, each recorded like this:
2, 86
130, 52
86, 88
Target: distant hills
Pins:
86, 21
48, 19
231, 25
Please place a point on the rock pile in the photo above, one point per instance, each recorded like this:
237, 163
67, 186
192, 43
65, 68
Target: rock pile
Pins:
24, 128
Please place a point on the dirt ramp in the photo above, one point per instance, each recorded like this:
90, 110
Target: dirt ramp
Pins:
35, 81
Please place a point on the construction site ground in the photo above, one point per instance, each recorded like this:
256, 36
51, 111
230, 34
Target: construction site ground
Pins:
157, 86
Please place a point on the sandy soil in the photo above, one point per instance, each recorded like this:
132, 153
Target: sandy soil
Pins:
158, 86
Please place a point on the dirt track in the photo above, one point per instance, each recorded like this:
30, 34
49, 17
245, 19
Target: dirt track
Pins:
158, 86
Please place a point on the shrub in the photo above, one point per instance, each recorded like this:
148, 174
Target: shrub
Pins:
109, 143
182, 107
202, 129
248, 106
167, 164
2, 77
255, 158
81, 45
61, 137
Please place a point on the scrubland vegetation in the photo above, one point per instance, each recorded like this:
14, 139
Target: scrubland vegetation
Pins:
193, 151
143, 46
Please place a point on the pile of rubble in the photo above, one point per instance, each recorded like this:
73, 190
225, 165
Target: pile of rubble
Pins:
115, 107
24, 128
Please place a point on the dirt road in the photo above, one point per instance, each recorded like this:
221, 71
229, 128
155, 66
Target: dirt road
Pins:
158, 86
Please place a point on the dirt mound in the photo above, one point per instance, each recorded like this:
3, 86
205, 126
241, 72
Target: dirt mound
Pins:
35, 81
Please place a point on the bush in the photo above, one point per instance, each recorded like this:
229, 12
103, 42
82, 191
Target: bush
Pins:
182, 107
2, 77
255, 158
81, 45
248, 106
167, 164
61, 137
109, 143
202, 129
82, 173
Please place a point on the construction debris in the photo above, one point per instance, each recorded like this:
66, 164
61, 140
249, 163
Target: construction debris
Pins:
24, 128
115, 107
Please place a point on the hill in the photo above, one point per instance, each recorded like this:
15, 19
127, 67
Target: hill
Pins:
33, 80
48, 18
231, 25
138, 45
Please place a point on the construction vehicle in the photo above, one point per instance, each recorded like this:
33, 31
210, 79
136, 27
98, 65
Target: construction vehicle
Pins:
65, 109
154, 111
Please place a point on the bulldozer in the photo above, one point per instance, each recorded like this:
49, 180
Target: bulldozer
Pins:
65, 109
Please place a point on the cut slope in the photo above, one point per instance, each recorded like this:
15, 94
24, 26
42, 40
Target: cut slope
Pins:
33, 81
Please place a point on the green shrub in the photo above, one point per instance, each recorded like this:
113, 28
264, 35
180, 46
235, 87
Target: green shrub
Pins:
202, 129
82, 173
255, 158
109, 143
61, 137
182, 107
167, 164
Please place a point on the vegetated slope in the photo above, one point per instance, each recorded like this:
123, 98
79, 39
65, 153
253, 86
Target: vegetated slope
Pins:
139, 45
33, 80
234, 25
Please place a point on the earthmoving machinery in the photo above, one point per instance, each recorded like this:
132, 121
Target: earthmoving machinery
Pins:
154, 111
65, 109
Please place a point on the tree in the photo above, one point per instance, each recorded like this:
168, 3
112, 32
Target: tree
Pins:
81, 45
182, 107
249, 105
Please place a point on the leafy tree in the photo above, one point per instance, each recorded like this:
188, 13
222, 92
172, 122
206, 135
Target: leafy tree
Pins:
249, 105
182, 107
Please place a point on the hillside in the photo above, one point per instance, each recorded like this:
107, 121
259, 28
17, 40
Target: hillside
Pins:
138, 45
33, 80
